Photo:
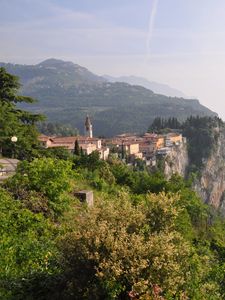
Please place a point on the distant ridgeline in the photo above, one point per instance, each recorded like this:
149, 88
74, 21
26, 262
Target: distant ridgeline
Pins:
67, 92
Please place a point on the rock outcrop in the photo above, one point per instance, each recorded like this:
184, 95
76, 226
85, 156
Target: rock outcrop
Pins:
211, 183
176, 162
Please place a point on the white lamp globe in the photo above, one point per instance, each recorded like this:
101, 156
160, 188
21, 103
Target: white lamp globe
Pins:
14, 139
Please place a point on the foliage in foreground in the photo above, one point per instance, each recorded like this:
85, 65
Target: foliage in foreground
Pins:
27, 248
119, 248
131, 241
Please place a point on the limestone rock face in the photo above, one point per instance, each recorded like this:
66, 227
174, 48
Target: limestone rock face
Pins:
176, 161
211, 184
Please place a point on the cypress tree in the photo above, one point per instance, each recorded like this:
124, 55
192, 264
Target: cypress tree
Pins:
77, 148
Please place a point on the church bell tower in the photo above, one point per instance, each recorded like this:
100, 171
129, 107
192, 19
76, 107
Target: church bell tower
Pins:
88, 127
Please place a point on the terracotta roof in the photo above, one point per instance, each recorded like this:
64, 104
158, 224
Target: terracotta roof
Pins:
72, 139
66, 139
80, 138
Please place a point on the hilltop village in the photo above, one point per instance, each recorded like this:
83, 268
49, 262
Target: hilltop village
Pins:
128, 146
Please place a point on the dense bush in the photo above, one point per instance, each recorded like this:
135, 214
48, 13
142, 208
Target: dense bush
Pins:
27, 249
44, 181
131, 241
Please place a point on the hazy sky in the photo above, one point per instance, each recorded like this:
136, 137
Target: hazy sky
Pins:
178, 42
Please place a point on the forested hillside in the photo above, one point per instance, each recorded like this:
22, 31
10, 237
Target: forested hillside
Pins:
66, 92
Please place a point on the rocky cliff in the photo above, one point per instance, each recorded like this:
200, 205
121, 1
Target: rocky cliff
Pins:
210, 182
176, 162
210, 185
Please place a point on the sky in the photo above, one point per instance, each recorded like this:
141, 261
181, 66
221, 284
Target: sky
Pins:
177, 42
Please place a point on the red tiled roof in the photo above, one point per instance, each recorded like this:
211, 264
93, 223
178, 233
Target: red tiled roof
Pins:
86, 138
66, 139
72, 139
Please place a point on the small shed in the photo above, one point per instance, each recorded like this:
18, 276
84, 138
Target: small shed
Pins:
85, 196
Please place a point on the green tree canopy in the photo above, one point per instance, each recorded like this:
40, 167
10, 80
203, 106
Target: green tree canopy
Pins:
159, 124
15, 121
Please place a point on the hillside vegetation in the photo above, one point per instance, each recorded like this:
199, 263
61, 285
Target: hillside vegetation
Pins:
66, 92
144, 234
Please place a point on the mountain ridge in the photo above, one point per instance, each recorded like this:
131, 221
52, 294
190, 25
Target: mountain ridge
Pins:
68, 91
156, 87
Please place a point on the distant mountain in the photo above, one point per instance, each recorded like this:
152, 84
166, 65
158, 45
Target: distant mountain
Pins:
156, 87
52, 72
66, 92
